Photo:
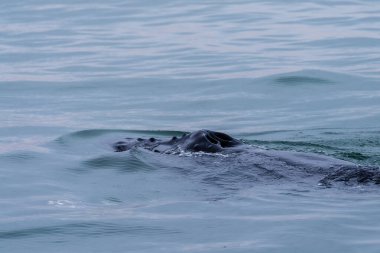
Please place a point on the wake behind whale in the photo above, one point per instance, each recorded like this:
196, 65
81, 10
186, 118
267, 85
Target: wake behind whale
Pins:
256, 164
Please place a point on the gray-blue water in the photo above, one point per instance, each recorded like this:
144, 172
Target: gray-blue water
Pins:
76, 76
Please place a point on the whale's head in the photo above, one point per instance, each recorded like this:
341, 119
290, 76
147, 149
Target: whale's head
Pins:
199, 141
207, 141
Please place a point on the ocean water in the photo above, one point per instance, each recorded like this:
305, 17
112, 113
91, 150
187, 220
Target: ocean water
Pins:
76, 76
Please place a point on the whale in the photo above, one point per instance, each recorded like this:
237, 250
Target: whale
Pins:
260, 164
199, 141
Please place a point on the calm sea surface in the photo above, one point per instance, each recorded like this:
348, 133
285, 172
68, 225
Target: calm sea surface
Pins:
76, 76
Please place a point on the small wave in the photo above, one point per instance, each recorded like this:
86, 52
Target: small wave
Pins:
355, 156
94, 142
310, 77
301, 145
20, 156
126, 162
297, 80
90, 133
84, 229
94, 134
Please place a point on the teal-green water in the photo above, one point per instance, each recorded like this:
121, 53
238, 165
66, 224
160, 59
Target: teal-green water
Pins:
76, 76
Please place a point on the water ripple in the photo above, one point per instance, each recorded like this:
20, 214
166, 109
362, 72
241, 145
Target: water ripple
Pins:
95, 229
62, 42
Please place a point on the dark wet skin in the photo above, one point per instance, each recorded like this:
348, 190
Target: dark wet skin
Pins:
199, 141
281, 164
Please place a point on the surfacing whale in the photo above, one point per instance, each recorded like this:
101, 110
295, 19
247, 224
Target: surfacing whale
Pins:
262, 164
199, 141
